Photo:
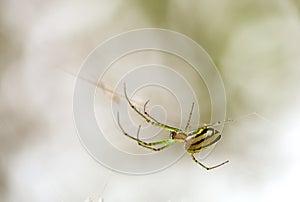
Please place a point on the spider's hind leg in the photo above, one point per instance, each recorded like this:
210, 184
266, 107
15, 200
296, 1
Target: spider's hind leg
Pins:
207, 168
218, 123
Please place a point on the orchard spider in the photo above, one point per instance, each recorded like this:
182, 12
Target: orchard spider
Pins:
195, 140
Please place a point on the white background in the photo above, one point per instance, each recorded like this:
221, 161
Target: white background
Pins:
254, 44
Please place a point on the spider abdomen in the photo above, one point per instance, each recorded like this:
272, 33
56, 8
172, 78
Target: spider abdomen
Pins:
201, 140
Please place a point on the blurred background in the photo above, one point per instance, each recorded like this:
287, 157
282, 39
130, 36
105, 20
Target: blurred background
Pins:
256, 47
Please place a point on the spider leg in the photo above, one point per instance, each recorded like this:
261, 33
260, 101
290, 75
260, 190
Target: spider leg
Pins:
147, 114
163, 126
207, 168
160, 148
147, 145
218, 123
190, 116
168, 142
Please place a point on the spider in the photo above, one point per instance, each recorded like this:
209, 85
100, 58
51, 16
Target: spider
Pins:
195, 140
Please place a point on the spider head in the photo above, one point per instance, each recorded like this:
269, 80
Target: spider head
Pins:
178, 136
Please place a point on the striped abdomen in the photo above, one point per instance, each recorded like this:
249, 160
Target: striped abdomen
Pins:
201, 139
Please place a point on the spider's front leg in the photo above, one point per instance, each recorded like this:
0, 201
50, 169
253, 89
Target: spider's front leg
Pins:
148, 120
190, 116
167, 142
148, 115
148, 145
